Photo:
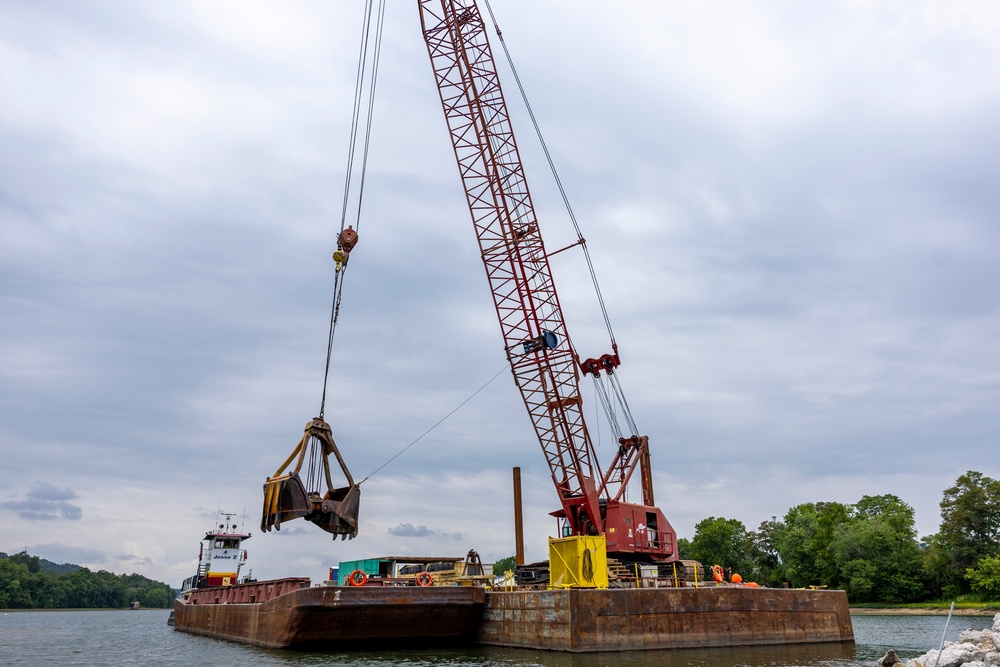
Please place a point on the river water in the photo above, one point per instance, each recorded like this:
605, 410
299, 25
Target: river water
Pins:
132, 638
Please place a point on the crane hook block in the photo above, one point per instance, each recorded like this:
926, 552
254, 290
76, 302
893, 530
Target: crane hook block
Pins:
346, 241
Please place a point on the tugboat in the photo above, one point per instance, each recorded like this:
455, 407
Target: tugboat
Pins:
221, 556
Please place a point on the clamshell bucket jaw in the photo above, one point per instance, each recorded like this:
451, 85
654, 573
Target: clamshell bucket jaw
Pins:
284, 499
338, 513
286, 496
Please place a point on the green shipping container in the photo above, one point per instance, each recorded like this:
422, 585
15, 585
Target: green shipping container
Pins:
370, 566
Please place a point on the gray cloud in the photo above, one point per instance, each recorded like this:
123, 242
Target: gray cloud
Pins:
49, 492
46, 502
409, 530
135, 559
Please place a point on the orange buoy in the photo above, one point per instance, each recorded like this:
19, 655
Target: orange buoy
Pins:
424, 579
357, 578
736, 579
717, 574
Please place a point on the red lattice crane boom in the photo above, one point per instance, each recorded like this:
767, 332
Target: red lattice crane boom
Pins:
544, 364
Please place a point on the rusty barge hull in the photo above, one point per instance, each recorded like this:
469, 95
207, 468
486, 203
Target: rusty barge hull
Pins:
589, 620
331, 617
296, 616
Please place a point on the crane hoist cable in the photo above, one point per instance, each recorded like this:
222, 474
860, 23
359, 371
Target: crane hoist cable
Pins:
364, 98
313, 496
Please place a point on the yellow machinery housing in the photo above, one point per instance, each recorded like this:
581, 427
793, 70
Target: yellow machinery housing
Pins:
580, 561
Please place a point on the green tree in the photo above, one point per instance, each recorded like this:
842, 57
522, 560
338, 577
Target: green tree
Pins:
937, 569
15, 585
43, 591
877, 552
156, 598
504, 565
33, 563
970, 528
765, 554
684, 548
26, 582
985, 578
724, 542
804, 541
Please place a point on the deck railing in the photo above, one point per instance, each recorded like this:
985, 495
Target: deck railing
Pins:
249, 593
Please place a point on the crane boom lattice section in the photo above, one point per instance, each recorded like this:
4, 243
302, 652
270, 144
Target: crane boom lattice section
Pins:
535, 338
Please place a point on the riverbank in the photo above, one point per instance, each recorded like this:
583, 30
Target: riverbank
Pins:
922, 611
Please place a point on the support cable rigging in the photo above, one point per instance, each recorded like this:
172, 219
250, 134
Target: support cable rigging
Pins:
436, 424
581, 241
555, 173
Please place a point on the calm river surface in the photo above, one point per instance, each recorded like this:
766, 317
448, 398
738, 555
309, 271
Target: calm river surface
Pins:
127, 638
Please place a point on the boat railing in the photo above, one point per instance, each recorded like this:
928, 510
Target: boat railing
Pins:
248, 593
652, 541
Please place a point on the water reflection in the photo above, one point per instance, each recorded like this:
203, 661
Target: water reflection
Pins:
799, 655
909, 636
741, 656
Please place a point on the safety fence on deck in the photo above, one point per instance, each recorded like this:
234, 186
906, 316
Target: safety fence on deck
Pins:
248, 593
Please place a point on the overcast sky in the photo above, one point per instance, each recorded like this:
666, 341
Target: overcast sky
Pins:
792, 208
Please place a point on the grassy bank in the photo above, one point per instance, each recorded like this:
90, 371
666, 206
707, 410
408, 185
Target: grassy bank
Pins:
929, 608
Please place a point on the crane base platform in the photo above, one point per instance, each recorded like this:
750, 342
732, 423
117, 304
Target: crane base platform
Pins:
630, 619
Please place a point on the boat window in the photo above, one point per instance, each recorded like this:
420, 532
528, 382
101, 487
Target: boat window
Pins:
411, 569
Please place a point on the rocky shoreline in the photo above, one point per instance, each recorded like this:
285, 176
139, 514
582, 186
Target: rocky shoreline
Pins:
974, 648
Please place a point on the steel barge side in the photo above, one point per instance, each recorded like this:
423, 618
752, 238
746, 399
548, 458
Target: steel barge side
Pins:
288, 613
588, 620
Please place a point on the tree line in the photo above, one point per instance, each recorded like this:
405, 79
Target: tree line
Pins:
869, 549
24, 584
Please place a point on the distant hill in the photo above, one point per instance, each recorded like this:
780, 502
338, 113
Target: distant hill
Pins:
52, 568
30, 582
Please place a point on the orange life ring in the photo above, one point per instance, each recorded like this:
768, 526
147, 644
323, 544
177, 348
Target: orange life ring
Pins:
424, 579
718, 574
357, 578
